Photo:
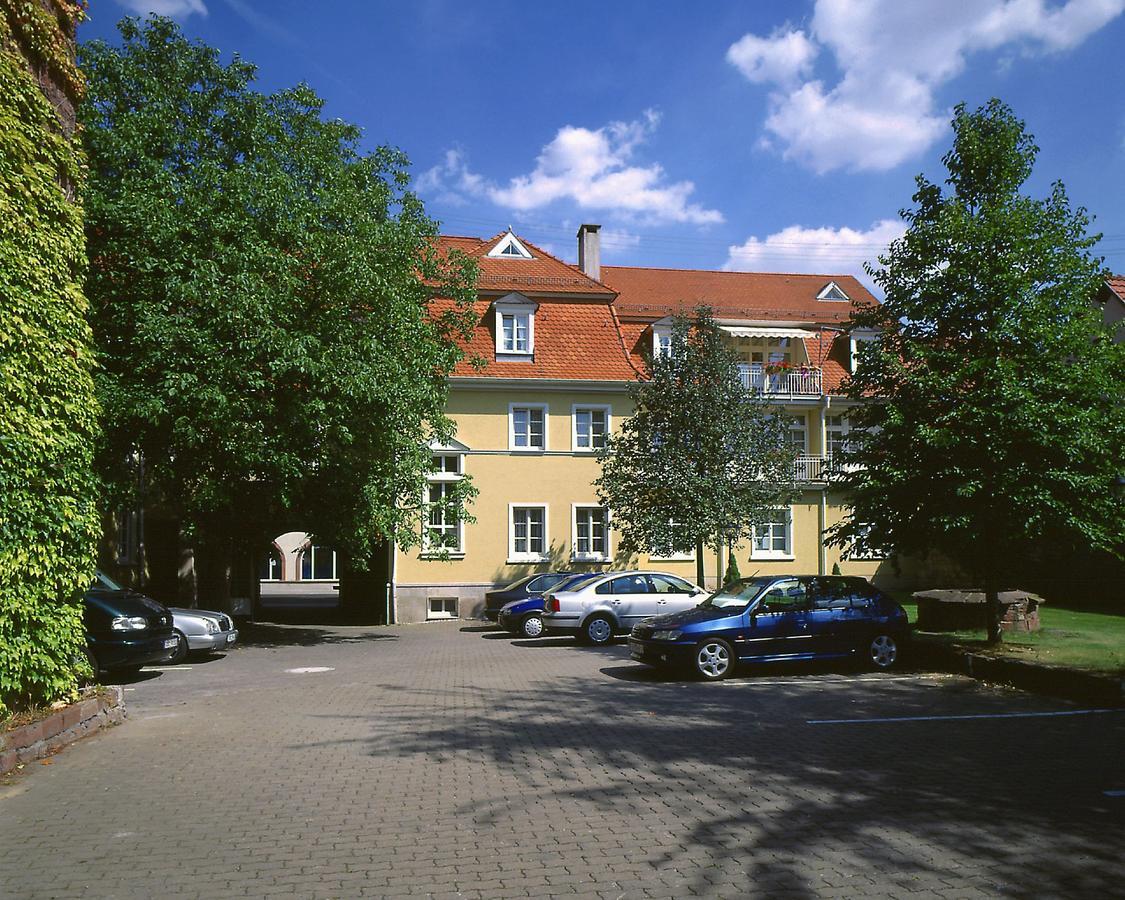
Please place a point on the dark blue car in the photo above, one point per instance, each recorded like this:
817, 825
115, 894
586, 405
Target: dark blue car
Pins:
525, 617
528, 586
775, 619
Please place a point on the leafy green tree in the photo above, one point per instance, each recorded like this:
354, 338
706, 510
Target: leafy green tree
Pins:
261, 300
997, 424
701, 461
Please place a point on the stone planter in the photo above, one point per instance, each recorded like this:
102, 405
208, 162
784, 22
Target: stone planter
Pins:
951, 610
63, 726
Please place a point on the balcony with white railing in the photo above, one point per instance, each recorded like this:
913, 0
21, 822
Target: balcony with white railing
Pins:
807, 468
801, 382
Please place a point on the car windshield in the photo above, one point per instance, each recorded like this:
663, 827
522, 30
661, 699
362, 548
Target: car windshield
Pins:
104, 583
737, 594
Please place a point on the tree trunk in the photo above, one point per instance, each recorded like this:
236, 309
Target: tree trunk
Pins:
700, 572
214, 563
992, 605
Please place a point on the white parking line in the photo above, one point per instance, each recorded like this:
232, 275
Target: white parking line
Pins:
1029, 715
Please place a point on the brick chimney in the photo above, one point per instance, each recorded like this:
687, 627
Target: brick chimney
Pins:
590, 251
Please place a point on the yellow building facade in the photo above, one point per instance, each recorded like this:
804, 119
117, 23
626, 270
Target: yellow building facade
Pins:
556, 348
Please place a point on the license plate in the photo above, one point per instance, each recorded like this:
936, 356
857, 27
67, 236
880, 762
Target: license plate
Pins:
170, 643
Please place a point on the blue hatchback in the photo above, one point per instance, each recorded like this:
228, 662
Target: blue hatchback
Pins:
776, 619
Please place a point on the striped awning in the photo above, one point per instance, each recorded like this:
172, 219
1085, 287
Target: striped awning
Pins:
766, 332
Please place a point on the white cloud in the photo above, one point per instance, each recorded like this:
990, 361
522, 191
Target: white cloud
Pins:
781, 58
892, 58
175, 9
814, 250
591, 168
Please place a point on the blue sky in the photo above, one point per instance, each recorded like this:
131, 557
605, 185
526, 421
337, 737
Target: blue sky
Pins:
766, 136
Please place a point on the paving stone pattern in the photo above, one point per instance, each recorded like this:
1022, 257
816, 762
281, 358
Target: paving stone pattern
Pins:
447, 760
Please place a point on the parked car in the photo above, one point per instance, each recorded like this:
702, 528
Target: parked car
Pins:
124, 629
525, 617
528, 586
595, 610
776, 618
200, 630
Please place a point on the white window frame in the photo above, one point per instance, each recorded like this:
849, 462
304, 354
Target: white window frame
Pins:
444, 612
510, 240
309, 552
588, 407
798, 422
843, 430
442, 476
512, 407
854, 340
528, 555
428, 548
772, 553
589, 556
518, 318
519, 307
829, 289
661, 340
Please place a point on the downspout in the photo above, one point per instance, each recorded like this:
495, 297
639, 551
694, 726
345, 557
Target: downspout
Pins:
392, 594
822, 509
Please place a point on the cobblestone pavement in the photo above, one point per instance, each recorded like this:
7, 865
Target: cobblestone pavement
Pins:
448, 760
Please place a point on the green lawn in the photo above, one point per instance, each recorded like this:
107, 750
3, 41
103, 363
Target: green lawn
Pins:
1079, 640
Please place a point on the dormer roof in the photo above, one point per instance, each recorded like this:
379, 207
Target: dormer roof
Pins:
540, 274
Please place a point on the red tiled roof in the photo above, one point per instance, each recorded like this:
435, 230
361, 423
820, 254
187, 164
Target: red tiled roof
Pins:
654, 293
573, 340
830, 350
545, 274
582, 332
1116, 283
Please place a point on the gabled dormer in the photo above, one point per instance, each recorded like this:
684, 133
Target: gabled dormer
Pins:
833, 293
515, 326
510, 247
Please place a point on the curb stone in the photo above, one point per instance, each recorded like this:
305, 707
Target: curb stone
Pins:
63, 727
1055, 681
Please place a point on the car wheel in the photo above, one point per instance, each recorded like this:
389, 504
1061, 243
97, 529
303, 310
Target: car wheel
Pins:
532, 626
882, 651
181, 651
713, 660
598, 630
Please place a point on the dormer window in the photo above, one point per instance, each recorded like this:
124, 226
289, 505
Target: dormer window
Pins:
662, 338
515, 326
833, 292
510, 247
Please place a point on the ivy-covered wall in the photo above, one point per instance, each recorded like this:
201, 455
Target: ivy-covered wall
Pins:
48, 414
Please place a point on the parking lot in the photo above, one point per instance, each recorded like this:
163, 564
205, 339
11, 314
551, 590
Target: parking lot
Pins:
450, 760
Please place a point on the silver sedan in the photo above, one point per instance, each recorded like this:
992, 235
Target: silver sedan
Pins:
200, 630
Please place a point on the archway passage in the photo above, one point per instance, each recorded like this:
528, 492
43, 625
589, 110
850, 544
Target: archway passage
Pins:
299, 581
306, 582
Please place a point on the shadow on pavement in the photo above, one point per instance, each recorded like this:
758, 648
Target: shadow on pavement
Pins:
774, 793
268, 634
484, 626
117, 676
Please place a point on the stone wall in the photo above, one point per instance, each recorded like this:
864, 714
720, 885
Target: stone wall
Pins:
64, 726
